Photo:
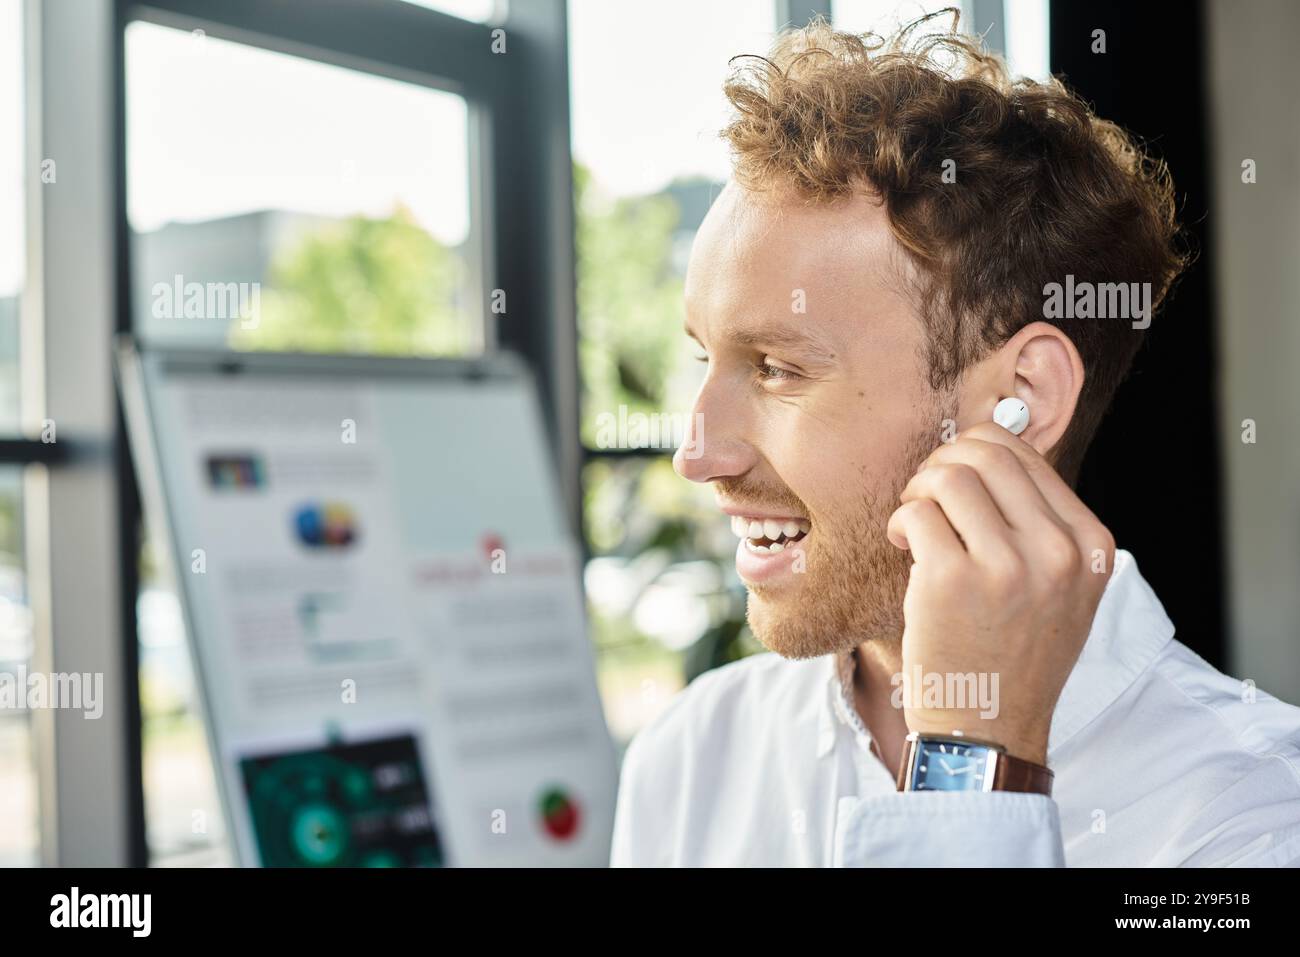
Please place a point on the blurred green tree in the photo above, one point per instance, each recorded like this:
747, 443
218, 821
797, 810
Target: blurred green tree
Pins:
361, 285
630, 316
629, 301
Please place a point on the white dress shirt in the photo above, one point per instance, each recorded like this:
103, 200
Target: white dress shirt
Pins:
1159, 759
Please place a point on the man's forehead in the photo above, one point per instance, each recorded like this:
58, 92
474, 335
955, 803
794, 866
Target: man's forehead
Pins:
772, 265
756, 222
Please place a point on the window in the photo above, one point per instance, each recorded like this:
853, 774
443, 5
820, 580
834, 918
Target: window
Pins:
282, 203
19, 823
1022, 32
883, 16
1027, 41
277, 203
184, 825
13, 259
648, 161
19, 838
480, 11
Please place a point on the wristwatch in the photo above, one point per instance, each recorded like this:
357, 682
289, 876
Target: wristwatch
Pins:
957, 763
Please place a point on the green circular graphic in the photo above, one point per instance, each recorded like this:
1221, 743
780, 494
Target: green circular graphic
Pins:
319, 834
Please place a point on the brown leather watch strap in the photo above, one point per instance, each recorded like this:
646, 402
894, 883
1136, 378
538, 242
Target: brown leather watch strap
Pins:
905, 766
1009, 772
1015, 774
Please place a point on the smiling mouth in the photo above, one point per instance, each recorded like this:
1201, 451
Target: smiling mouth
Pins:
765, 536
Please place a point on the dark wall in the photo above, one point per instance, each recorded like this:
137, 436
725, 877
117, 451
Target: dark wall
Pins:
1152, 474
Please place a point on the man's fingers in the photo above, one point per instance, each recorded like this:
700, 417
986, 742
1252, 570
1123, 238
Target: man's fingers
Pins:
1070, 518
920, 527
1009, 484
1054, 490
969, 509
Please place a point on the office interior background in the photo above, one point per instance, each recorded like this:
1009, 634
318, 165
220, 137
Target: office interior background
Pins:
380, 169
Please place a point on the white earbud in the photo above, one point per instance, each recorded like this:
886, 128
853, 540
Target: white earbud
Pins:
1012, 415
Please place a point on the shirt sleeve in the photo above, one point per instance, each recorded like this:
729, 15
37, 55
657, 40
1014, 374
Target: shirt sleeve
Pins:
1255, 822
949, 829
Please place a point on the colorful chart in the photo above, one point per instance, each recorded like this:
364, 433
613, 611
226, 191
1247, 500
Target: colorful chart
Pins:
325, 525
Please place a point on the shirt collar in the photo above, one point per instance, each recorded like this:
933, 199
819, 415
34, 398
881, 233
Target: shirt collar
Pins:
839, 704
1128, 631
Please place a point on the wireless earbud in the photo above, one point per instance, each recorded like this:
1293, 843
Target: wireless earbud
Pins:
1012, 415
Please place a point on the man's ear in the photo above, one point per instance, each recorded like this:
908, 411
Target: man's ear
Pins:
1041, 366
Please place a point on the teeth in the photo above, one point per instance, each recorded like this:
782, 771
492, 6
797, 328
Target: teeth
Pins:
769, 528
776, 547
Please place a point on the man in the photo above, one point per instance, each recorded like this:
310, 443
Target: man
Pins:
964, 669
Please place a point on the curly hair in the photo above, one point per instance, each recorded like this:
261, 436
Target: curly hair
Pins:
1043, 188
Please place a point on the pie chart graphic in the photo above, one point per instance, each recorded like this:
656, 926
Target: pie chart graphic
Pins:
325, 525
319, 834
560, 814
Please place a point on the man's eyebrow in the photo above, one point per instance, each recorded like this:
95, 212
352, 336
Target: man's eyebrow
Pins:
776, 335
785, 337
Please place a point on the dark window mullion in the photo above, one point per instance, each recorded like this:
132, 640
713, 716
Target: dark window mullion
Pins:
21, 451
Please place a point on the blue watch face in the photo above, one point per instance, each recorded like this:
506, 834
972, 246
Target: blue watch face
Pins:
947, 766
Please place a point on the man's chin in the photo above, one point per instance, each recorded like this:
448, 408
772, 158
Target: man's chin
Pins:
812, 617
782, 621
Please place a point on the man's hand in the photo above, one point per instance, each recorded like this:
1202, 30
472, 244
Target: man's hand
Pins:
1009, 566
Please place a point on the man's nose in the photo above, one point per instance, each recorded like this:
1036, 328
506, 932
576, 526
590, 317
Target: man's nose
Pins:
713, 447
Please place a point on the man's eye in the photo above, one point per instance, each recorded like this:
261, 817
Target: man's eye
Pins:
768, 371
